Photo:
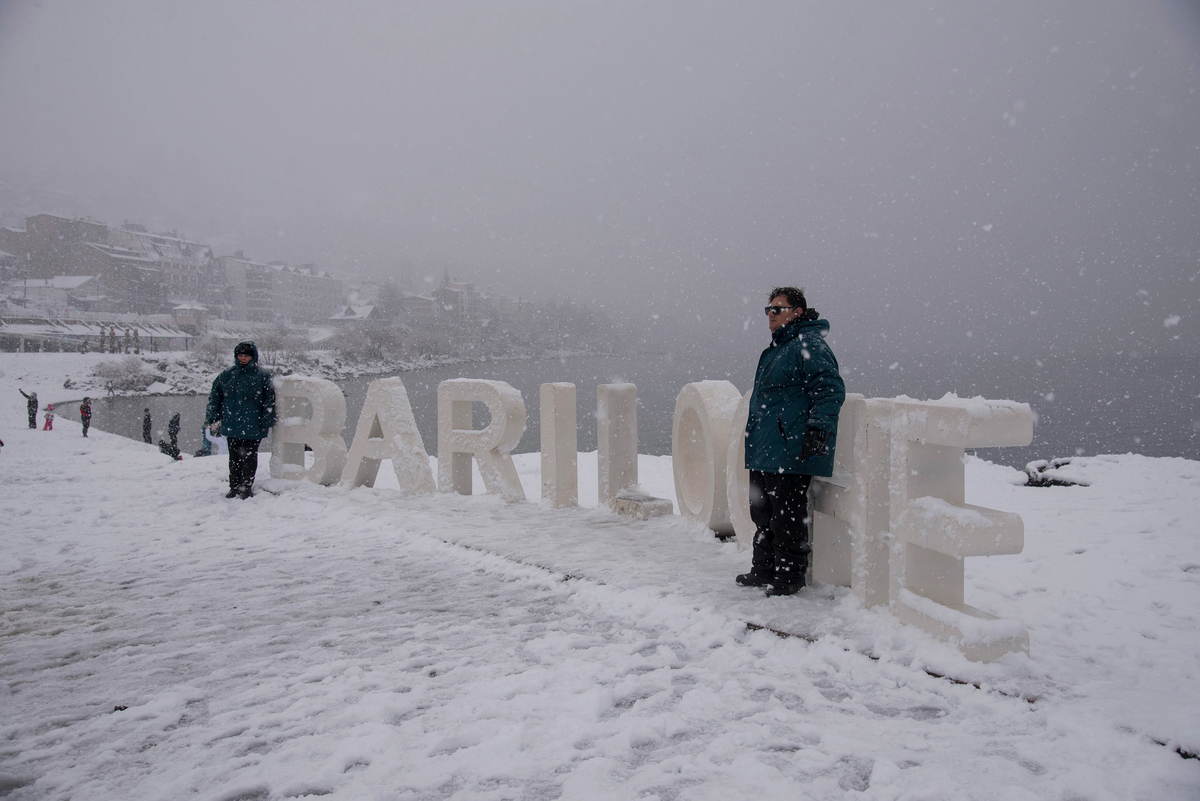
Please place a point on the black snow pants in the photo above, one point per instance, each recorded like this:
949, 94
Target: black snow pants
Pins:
32, 409
779, 509
243, 462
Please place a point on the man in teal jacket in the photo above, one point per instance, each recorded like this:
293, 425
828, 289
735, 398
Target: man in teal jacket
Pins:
790, 437
241, 406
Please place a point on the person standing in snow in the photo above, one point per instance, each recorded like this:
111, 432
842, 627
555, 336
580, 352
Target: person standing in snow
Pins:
172, 448
241, 406
31, 406
49, 426
85, 414
146, 425
790, 437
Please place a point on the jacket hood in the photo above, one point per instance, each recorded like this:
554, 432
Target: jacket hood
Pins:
797, 327
242, 346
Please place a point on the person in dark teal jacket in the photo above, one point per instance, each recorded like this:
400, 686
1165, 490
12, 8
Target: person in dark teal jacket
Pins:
791, 433
241, 406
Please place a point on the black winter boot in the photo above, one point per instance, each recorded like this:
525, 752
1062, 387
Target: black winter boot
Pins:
753, 579
762, 566
789, 577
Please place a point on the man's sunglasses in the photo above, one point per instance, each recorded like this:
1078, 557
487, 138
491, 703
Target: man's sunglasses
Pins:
778, 309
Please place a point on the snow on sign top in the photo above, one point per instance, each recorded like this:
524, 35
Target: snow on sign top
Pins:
723, 403
965, 422
977, 406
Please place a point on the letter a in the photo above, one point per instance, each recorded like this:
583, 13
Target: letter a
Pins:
387, 430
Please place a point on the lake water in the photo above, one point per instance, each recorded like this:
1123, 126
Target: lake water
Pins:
1084, 407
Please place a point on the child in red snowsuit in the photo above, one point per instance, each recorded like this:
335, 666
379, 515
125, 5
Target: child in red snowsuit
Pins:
49, 418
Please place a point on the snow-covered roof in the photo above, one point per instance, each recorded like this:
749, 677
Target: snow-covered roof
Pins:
121, 253
246, 261
70, 281
30, 327
64, 282
235, 329
354, 313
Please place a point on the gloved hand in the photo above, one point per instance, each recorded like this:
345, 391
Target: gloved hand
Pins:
215, 428
814, 444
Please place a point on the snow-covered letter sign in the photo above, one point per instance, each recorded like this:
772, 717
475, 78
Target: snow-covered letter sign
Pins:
560, 435
704, 413
310, 411
387, 430
617, 439
932, 527
737, 477
491, 446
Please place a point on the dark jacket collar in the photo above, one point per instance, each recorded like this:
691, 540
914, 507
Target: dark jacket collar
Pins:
795, 328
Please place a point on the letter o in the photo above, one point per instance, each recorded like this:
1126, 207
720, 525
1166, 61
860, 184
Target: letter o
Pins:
699, 451
737, 477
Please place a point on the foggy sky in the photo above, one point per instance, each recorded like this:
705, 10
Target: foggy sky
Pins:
1015, 176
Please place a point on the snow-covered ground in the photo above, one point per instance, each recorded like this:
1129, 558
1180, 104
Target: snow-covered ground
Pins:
160, 641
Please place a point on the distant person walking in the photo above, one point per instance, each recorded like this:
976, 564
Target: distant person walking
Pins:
172, 448
146, 425
49, 426
31, 406
790, 437
85, 414
241, 406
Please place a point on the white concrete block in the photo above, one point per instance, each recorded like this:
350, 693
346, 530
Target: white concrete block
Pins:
700, 433
853, 504
560, 449
387, 430
492, 446
832, 549
872, 539
933, 529
737, 477
640, 506
312, 412
966, 422
833, 505
617, 441
959, 530
980, 636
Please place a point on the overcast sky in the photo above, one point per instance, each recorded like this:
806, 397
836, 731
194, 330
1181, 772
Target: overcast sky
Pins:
1026, 172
